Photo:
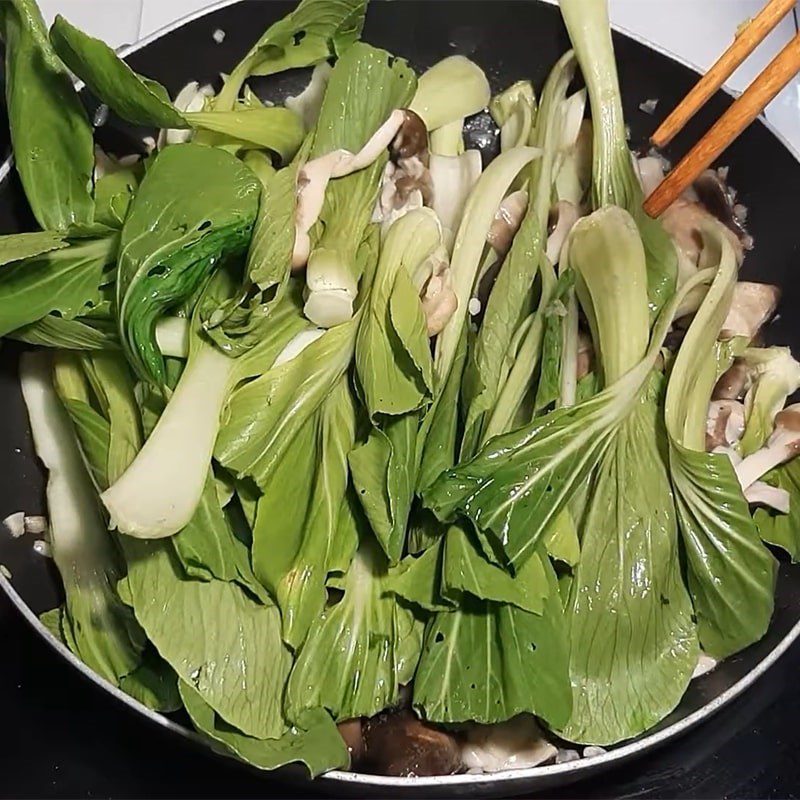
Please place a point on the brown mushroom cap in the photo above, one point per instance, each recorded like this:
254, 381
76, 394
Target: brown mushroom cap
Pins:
732, 384
720, 200
725, 423
412, 138
350, 731
398, 744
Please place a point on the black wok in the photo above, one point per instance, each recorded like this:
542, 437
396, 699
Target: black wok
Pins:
510, 40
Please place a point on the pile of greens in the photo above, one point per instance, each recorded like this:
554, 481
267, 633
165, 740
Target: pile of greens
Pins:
329, 409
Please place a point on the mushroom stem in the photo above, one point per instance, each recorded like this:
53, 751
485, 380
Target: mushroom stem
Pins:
783, 444
762, 494
314, 176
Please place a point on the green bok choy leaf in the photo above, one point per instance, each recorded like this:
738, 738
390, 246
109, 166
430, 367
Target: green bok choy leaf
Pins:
196, 206
51, 135
98, 626
731, 575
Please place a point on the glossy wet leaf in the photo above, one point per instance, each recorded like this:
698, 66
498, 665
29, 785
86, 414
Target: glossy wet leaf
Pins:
50, 133
264, 416
383, 475
731, 575
314, 741
349, 661
517, 485
320, 540
67, 281
633, 641
466, 571
311, 33
393, 356
271, 127
488, 662
208, 548
195, 207
135, 98
69, 334
783, 530
19, 246
219, 640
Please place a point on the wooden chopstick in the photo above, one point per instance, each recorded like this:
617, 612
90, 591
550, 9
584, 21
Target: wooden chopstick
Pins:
743, 111
746, 41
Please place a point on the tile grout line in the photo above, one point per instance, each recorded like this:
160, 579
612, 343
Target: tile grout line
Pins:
141, 17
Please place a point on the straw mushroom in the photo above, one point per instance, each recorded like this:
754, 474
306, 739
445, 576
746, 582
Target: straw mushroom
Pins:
733, 383
719, 200
506, 222
398, 744
439, 301
725, 423
351, 732
515, 744
407, 183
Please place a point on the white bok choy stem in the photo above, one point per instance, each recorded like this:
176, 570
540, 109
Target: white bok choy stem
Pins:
514, 111
157, 495
104, 632
448, 140
172, 336
453, 178
476, 220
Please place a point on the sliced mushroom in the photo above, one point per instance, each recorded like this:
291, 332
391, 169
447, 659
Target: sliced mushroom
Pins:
782, 445
725, 423
398, 744
684, 221
516, 744
439, 301
507, 221
719, 200
314, 176
762, 494
733, 383
396, 198
407, 182
563, 216
752, 307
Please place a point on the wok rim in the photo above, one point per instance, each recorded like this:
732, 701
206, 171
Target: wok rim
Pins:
573, 769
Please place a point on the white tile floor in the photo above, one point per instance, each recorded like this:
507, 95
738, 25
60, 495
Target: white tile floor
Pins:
697, 30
